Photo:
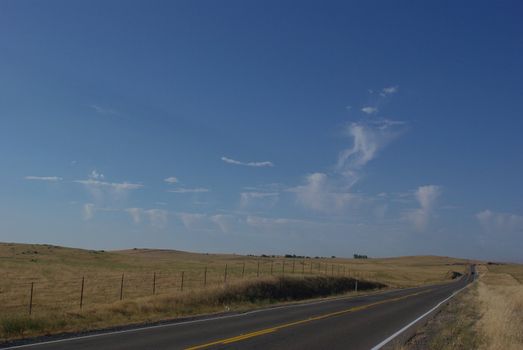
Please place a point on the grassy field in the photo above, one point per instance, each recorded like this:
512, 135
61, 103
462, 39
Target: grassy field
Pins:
139, 285
489, 315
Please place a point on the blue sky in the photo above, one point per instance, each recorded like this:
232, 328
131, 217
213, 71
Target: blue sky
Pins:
319, 128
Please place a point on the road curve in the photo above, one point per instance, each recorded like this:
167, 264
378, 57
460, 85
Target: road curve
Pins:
362, 322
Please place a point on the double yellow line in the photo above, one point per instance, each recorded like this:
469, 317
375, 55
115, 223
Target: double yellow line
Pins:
307, 320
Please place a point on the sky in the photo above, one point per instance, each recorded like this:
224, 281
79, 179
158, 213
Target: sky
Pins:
314, 128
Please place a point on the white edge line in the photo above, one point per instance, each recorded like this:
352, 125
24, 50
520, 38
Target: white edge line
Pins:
174, 324
383, 343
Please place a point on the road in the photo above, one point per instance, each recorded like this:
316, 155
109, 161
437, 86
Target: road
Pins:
361, 322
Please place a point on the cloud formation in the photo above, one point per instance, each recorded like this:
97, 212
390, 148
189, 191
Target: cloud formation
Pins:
263, 198
250, 164
156, 217
426, 197
318, 194
44, 178
171, 180
494, 222
370, 110
389, 90
189, 190
88, 211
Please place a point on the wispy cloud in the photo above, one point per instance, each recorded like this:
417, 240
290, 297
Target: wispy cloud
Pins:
88, 211
251, 164
370, 110
389, 90
368, 138
318, 194
500, 223
189, 190
44, 178
156, 217
263, 198
117, 186
171, 180
426, 197
105, 111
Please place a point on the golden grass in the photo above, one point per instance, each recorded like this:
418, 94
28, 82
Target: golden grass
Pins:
500, 298
488, 315
57, 272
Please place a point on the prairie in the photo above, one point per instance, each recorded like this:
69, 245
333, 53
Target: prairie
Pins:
49, 289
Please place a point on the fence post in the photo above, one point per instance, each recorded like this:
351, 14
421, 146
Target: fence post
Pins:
82, 293
154, 283
272, 262
181, 285
311, 269
332, 269
303, 267
283, 268
243, 270
225, 275
31, 299
121, 288
205, 276
258, 269
356, 286
293, 263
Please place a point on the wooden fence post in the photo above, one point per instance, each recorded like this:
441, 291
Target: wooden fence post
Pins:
205, 276
272, 262
293, 263
154, 283
31, 299
225, 275
181, 285
82, 293
121, 288
258, 269
243, 271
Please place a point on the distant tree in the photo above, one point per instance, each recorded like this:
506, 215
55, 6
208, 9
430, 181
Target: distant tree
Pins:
359, 256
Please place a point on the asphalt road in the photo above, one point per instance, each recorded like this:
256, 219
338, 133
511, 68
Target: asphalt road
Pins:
346, 323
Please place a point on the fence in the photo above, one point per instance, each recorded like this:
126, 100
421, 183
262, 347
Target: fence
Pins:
43, 295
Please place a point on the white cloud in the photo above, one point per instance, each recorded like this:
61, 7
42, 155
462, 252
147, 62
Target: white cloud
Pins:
368, 140
189, 190
193, 220
251, 164
426, 197
318, 194
157, 217
171, 180
389, 90
88, 211
96, 175
493, 222
223, 221
44, 178
103, 110
136, 214
122, 186
369, 110
263, 198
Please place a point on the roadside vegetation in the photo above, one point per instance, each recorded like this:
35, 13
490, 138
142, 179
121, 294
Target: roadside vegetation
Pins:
80, 290
488, 315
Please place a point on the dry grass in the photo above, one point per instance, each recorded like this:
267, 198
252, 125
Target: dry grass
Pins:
489, 315
57, 275
453, 328
500, 298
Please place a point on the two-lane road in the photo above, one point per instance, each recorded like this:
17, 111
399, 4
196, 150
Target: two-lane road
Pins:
344, 323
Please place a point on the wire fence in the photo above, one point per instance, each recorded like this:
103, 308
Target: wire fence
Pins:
28, 295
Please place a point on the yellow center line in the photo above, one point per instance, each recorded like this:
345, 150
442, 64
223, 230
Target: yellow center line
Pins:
295, 323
